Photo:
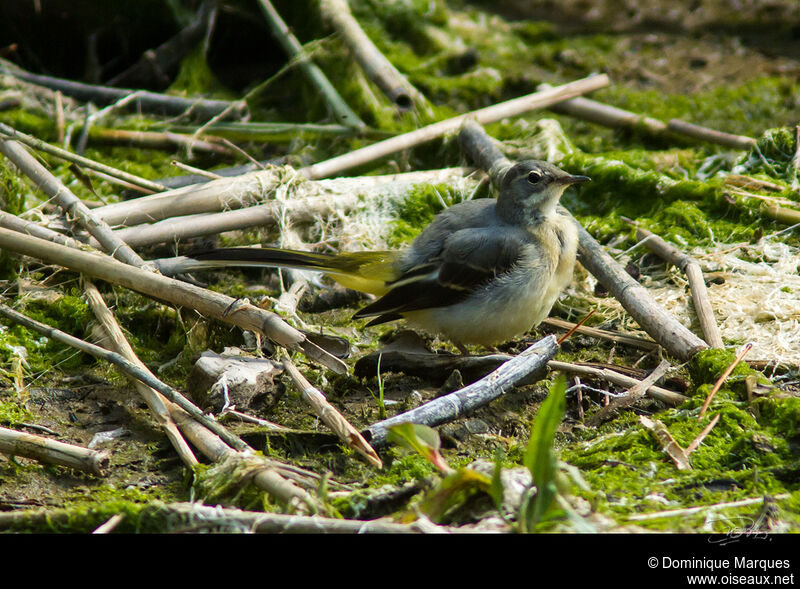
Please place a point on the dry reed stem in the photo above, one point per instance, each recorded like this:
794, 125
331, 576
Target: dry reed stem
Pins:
375, 65
617, 338
489, 114
331, 416
14, 443
128, 368
295, 51
79, 159
69, 203
633, 394
711, 135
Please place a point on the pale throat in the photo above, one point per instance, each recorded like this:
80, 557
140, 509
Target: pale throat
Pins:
541, 210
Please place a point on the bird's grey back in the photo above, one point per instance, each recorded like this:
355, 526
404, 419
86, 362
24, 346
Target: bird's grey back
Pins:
464, 215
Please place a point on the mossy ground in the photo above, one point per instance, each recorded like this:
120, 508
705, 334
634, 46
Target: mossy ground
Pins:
462, 56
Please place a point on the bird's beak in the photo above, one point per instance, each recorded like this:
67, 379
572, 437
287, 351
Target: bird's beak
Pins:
569, 180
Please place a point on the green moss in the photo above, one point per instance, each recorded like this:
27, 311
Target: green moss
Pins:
196, 78
67, 313
12, 412
402, 467
707, 366
782, 415
418, 209
773, 155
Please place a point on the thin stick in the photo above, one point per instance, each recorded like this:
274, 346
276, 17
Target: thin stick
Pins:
611, 116
375, 65
575, 327
478, 394
700, 508
617, 338
79, 159
193, 170
661, 394
128, 368
273, 131
144, 101
154, 400
636, 300
711, 135
702, 435
179, 293
331, 416
722, 378
165, 140
697, 284
9, 221
70, 203
295, 51
14, 443
490, 114
60, 126
607, 115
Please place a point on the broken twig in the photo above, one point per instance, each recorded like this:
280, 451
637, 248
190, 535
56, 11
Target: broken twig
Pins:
478, 394
623, 380
633, 394
375, 65
697, 284
722, 378
711, 135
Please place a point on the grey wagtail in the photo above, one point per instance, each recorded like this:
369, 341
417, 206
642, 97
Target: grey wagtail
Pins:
482, 272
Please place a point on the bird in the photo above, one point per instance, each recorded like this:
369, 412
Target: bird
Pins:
481, 273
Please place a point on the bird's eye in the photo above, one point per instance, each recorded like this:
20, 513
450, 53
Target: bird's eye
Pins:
534, 177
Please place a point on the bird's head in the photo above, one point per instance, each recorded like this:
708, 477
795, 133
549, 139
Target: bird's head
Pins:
531, 189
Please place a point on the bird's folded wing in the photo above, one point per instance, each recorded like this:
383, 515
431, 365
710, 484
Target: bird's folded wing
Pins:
471, 259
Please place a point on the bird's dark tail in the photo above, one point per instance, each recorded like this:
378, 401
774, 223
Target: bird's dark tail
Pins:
267, 257
363, 271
